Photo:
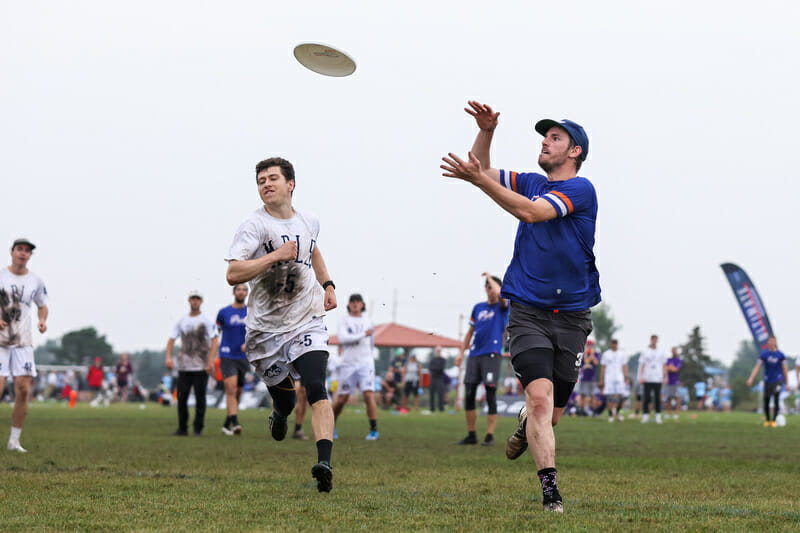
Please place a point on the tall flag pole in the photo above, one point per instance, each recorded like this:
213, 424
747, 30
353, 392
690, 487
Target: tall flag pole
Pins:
750, 302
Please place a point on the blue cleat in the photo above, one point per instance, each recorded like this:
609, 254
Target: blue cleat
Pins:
372, 435
335, 434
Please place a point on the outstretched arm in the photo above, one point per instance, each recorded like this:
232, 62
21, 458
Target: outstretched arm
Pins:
753, 373
487, 122
524, 209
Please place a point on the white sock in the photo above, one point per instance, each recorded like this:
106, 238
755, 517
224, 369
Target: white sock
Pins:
15, 433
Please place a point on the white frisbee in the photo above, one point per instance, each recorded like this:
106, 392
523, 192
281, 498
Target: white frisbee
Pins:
324, 59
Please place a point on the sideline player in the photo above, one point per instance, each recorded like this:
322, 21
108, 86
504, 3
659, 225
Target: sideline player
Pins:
19, 288
275, 250
652, 374
356, 364
587, 384
487, 322
776, 374
552, 280
671, 393
233, 363
614, 379
197, 332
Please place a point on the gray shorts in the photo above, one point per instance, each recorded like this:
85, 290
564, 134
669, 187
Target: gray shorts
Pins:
234, 367
483, 368
587, 388
670, 391
564, 333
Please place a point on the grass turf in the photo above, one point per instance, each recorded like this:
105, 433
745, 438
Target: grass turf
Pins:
118, 468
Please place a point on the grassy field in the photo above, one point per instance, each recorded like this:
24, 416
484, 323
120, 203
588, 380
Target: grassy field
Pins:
118, 468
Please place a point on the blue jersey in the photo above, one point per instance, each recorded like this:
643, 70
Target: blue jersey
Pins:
488, 321
230, 322
553, 266
773, 366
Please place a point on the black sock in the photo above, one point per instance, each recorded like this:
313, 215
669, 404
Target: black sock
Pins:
298, 427
549, 485
227, 423
235, 420
373, 425
489, 436
324, 448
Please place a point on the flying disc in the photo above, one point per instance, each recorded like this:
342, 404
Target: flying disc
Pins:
324, 59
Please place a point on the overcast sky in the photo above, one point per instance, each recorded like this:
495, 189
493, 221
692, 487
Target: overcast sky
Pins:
130, 132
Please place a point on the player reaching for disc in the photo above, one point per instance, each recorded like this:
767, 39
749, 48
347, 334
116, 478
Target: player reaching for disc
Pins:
552, 281
275, 250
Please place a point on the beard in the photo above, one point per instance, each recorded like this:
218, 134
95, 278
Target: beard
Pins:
239, 301
553, 162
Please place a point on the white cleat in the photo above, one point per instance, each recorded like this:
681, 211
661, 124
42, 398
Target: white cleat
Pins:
14, 445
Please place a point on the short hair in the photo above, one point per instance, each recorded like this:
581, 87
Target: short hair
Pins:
578, 160
240, 284
286, 167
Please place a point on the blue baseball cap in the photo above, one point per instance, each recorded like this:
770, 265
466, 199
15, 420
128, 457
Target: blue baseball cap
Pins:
575, 130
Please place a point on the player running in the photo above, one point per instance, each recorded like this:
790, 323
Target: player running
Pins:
357, 364
19, 290
233, 363
552, 281
275, 250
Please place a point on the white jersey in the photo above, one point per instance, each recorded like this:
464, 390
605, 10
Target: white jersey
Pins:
195, 333
17, 293
614, 361
287, 295
356, 344
651, 365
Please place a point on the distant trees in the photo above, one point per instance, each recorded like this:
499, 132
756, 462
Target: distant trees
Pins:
603, 326
746, 357
81, 347
695, 359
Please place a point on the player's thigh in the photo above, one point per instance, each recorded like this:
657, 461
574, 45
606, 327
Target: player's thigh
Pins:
571, 331
472, 376
490, 369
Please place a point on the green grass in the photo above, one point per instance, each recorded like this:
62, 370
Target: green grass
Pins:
118, 469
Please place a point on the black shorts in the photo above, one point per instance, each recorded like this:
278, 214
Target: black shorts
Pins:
771, 389
483, 368
563, 333
234, 367
411, 387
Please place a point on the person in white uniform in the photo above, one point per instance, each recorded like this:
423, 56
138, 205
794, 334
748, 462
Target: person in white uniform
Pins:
357, 365
20, 289
275, 251
652, 374
614, 380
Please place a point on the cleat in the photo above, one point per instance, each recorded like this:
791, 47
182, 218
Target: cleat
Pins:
645, 418
237, 429
658, 418
468, 440
335, 434
278, 426
323, 473
15, 446
228, 431
488, 441
372, 435
517, 443
299, 435
767, 424
179, 433
610, 418
621, 417
555, 507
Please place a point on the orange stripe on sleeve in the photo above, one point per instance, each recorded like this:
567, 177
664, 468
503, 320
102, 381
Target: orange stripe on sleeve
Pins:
565, 200
514, 181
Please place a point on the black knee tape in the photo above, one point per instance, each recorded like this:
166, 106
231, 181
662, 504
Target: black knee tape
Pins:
562, 390
283, 396
491, 400
469, 396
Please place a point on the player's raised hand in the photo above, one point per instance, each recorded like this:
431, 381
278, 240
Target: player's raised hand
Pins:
287, 251
483, 114
470, 170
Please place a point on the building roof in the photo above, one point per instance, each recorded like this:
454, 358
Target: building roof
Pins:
396, 335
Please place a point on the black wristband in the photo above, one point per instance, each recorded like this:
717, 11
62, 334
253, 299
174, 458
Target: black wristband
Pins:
329, 282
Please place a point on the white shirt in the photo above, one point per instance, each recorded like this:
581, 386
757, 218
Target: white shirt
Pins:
356, 344
651, 365
17, 294
195, 334
287, 295
614, 361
